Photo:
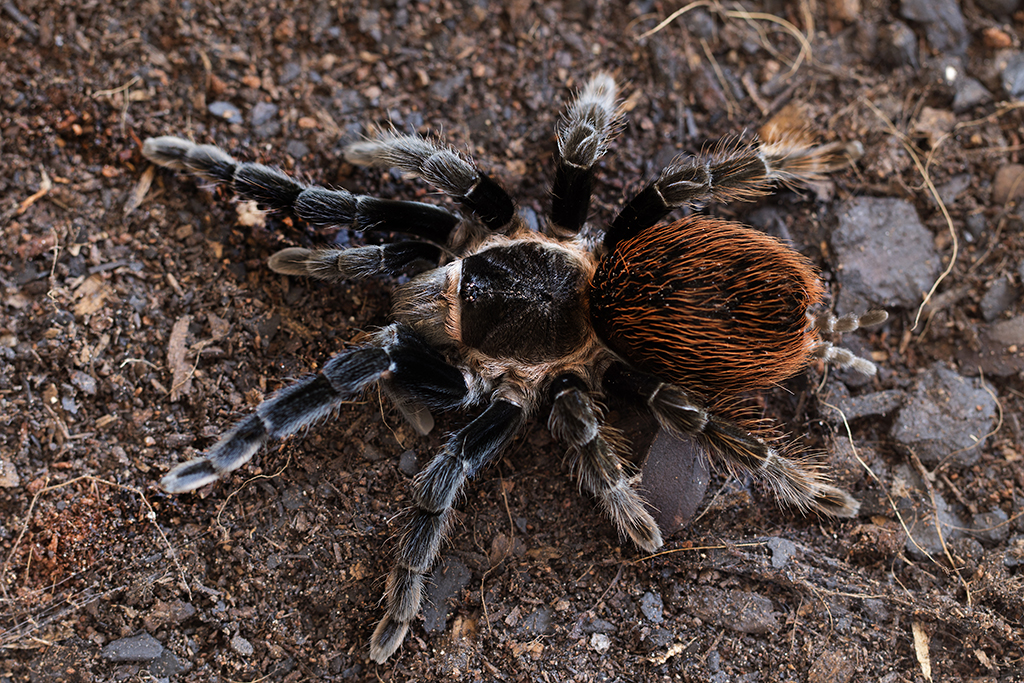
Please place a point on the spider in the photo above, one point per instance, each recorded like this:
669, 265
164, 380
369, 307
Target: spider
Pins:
687, 314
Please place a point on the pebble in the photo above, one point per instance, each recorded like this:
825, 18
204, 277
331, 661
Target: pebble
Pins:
651, 605
263, 119
138, 648
742, 611
1009, 332
84, 381
448, 578
241, 646
1008, 184
897, 45
674, 477
950, 190
1013, 76
225, 111
408, 464
969, 93
873, 404
782, 550
293, 498
8, 475
297, 149
1001, 296
945, 416
943, 23
538, 622
991, 527
886, 257
999, 8
600, 643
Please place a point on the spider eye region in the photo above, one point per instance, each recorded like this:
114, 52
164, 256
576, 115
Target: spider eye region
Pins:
523, 301
708, 304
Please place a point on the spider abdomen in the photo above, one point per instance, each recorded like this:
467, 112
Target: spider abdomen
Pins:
707, 304
523, 301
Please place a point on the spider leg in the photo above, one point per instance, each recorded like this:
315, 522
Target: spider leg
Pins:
435, 490
583, 134
732, 170
442, 167
794, 481
576, 421
397, 356
276, 191
335, 265
828, 323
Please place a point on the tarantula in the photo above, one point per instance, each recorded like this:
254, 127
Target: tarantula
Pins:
689, 314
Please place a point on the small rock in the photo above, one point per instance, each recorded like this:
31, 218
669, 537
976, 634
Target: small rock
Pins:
297, 149
168, 613
262, 113
448, 578
408, 464
1013, 76
84, 381
897, 45
600, 643
538, 622
991, 527
999, 8
873, 404
943, 23
1009, 332
945, 415
138, 648
293, 498
735, 609
782, 551
886, 257
241, 646
674, 478
165, 666
226, 111
651, 605
969, 93
875, 610
595, 625
949, 191
833, 666
8, 475
1008, 184
1001, 296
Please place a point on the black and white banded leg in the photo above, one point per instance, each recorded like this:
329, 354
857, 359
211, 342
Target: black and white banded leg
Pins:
434, 494
335, 265
732, 170
795, 481
442, 167
396, 355
274, 190
583, 132
828, 324
576, 421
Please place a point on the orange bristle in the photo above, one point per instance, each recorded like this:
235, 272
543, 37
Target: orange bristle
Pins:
708, 304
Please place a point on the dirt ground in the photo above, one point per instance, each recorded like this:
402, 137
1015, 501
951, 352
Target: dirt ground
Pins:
139, 322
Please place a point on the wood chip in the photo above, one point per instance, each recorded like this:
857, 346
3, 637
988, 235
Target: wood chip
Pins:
141, 190
181, 371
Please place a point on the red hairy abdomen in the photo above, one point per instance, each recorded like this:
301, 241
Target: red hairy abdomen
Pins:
711, 305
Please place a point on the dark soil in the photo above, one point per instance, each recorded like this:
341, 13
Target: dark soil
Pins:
139, 322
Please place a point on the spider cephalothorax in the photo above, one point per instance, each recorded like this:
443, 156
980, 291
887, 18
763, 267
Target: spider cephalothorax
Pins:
688, 314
